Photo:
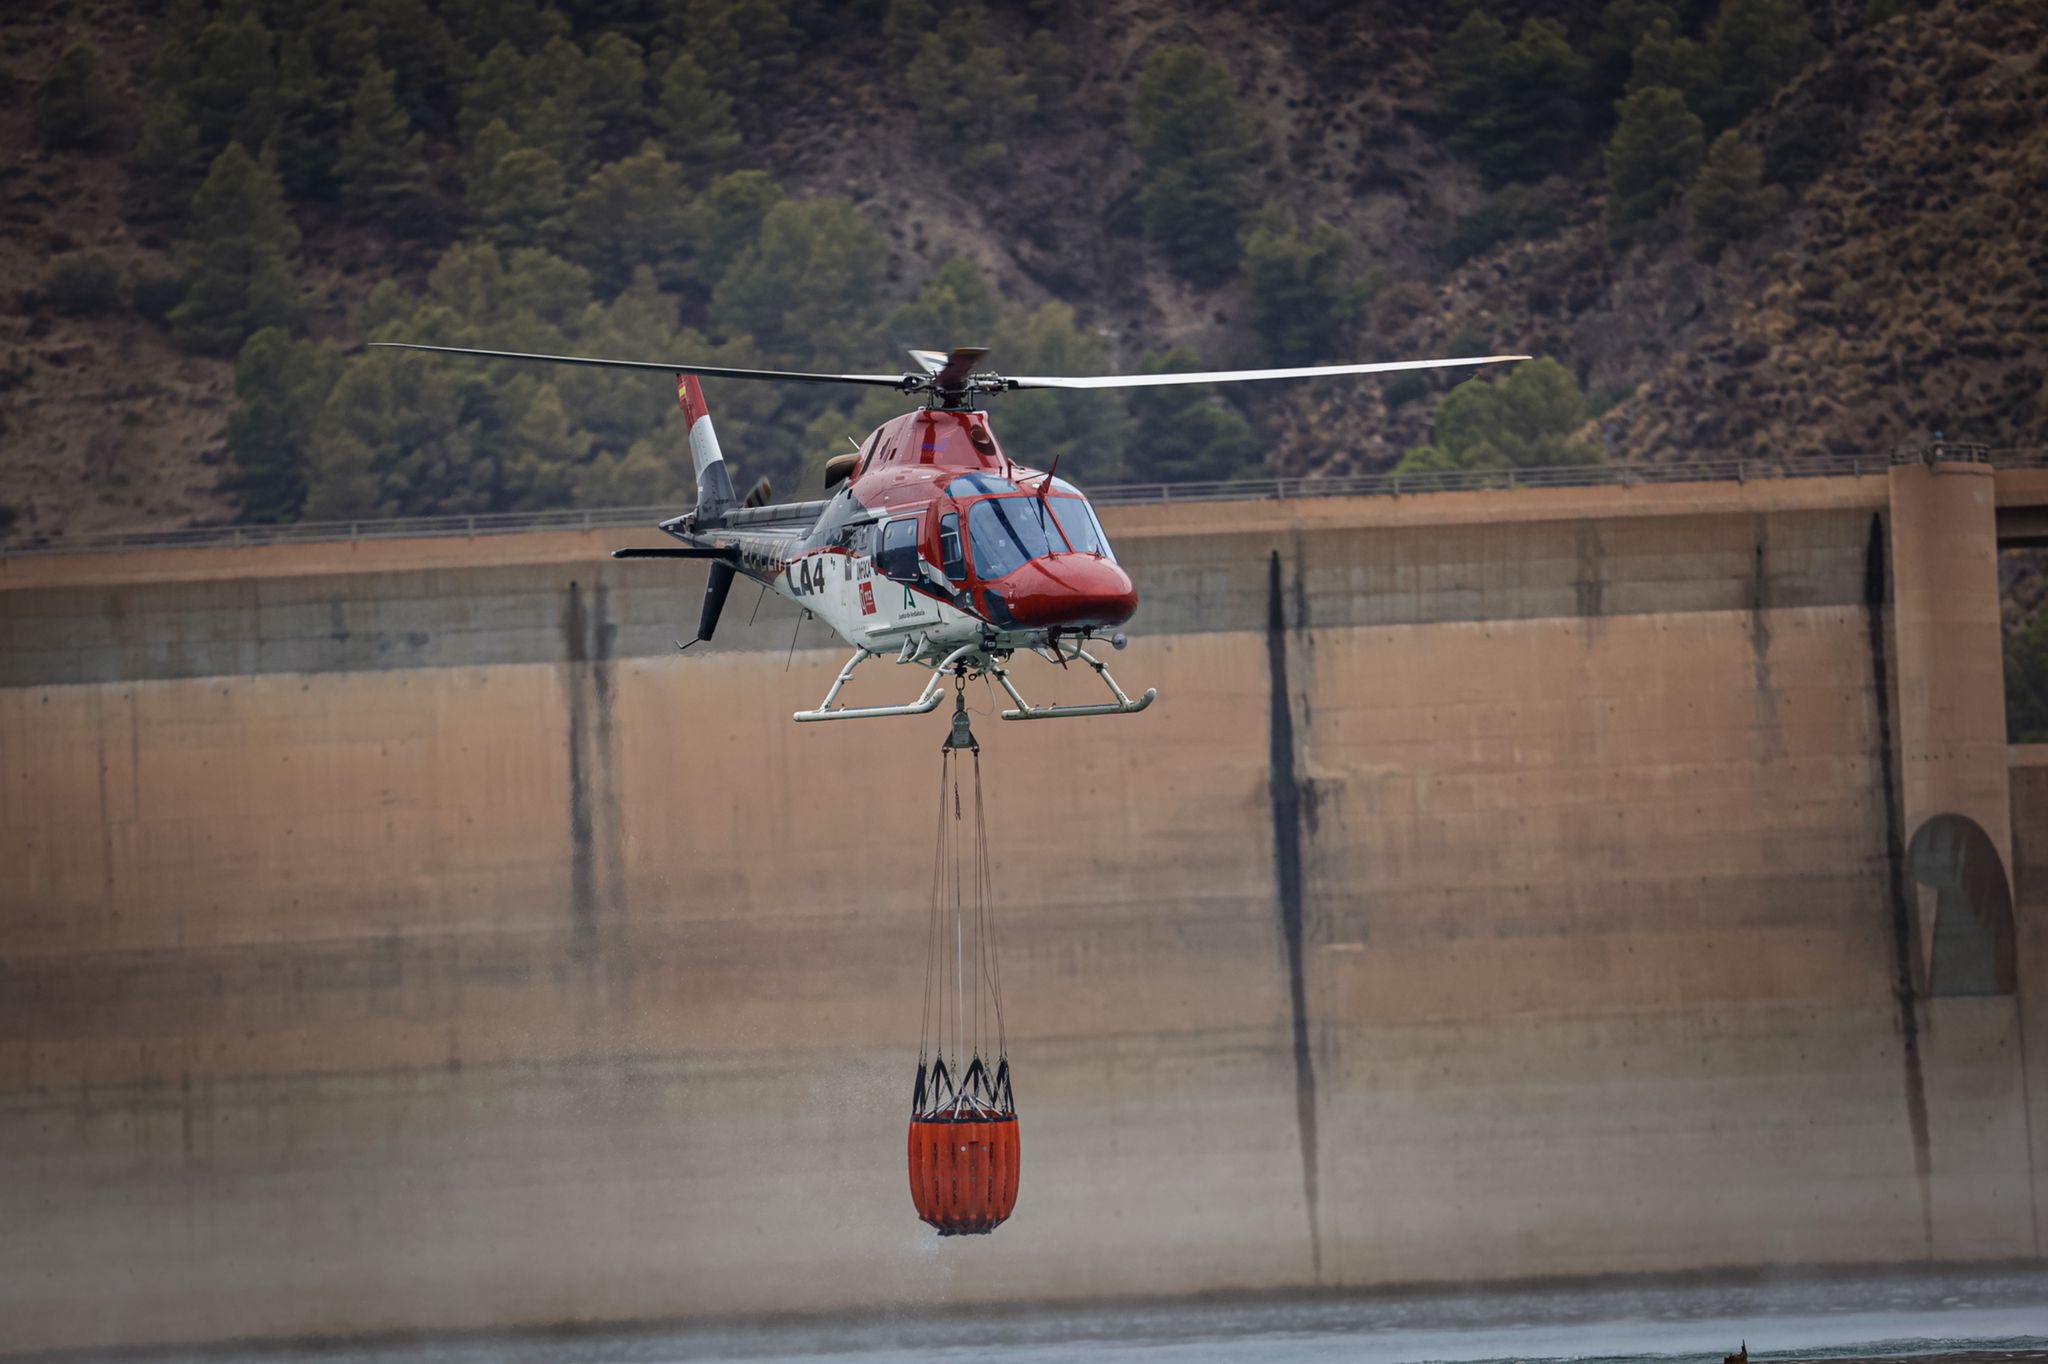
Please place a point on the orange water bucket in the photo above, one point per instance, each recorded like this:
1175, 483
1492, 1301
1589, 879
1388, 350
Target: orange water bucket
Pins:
963, 1172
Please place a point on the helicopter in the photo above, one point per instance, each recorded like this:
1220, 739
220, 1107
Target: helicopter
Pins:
937, 548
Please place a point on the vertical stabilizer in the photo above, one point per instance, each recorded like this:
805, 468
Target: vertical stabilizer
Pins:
714, 483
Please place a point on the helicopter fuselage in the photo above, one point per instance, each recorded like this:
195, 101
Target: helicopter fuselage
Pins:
935, 542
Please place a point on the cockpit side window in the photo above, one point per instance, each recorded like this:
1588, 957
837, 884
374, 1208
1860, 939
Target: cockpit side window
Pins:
952, 556
1077, 521
898, 557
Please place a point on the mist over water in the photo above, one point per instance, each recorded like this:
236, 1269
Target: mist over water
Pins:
1785, 1318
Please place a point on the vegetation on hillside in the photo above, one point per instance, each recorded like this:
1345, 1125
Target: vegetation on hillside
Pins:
618, 180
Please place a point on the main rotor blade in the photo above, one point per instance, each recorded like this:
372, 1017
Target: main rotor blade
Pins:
702, 371
1239, 376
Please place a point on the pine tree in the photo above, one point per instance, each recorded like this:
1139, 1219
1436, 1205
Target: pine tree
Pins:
1611, 52
1755, 46
1514, 106
1182, 433
905, 24
232, 92
1522, 420
695, 117
239, 257
1656, 150
1730, 202
956, 307
728, 219
168, 160
1197, 147
283, 385
631, 213
514, 191
382, 163
306, 140
618, 96
808, 288
1085, 432
74, 104
1663, 57
1298, 302
969, 102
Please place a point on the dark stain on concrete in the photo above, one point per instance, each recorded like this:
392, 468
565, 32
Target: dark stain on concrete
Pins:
1769, 726
582, 830
1287, 871
610, 813
1874, 594
1589, 587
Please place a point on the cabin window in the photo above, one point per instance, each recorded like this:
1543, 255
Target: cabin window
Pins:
1008, 534
1075, 520
898, 558
952, 557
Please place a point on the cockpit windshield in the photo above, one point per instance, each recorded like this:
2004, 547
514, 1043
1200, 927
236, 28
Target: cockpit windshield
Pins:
1007, 535
1009, 532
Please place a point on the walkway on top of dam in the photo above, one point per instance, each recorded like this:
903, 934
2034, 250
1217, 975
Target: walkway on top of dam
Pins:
2012, 464
543, 588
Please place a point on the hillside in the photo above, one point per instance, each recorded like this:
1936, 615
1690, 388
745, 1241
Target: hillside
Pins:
1336, 189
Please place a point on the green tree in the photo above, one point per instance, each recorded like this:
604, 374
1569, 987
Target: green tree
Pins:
969, 102
239, 258
283, 386
1514, 106
956, 307
1299, 304
1730, 202
232, 91
1656, 150
2026, 682
168, 159
741, 44
1523, 420
1197, 146
1084, 431
1185, 432
74, 104
729, 215
1610, 53
807, 289
632, 213
515, 191
905, 25
383, 161
394, 440
305, 141
695, 117
1755, 46
1664, 57
618, 95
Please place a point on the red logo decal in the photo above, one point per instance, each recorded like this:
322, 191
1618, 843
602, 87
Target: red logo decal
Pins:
867, 599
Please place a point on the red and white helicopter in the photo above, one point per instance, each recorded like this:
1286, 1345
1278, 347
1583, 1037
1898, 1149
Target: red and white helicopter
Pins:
937, 548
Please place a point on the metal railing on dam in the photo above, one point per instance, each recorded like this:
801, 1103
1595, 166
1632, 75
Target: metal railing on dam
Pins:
1391, 484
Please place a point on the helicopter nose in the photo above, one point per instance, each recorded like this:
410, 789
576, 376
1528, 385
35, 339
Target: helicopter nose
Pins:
1070, 592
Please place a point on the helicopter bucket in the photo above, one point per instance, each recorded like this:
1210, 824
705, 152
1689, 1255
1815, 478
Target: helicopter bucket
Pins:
963, 1148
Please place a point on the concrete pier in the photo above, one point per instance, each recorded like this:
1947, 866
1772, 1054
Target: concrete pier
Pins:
399, 935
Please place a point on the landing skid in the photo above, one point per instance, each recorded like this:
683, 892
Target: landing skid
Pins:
1123, 705
969, 658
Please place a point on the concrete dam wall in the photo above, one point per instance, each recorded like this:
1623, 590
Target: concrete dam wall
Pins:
400, 935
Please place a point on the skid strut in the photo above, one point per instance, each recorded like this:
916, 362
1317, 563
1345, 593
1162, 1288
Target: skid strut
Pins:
927, 701
1123, 705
